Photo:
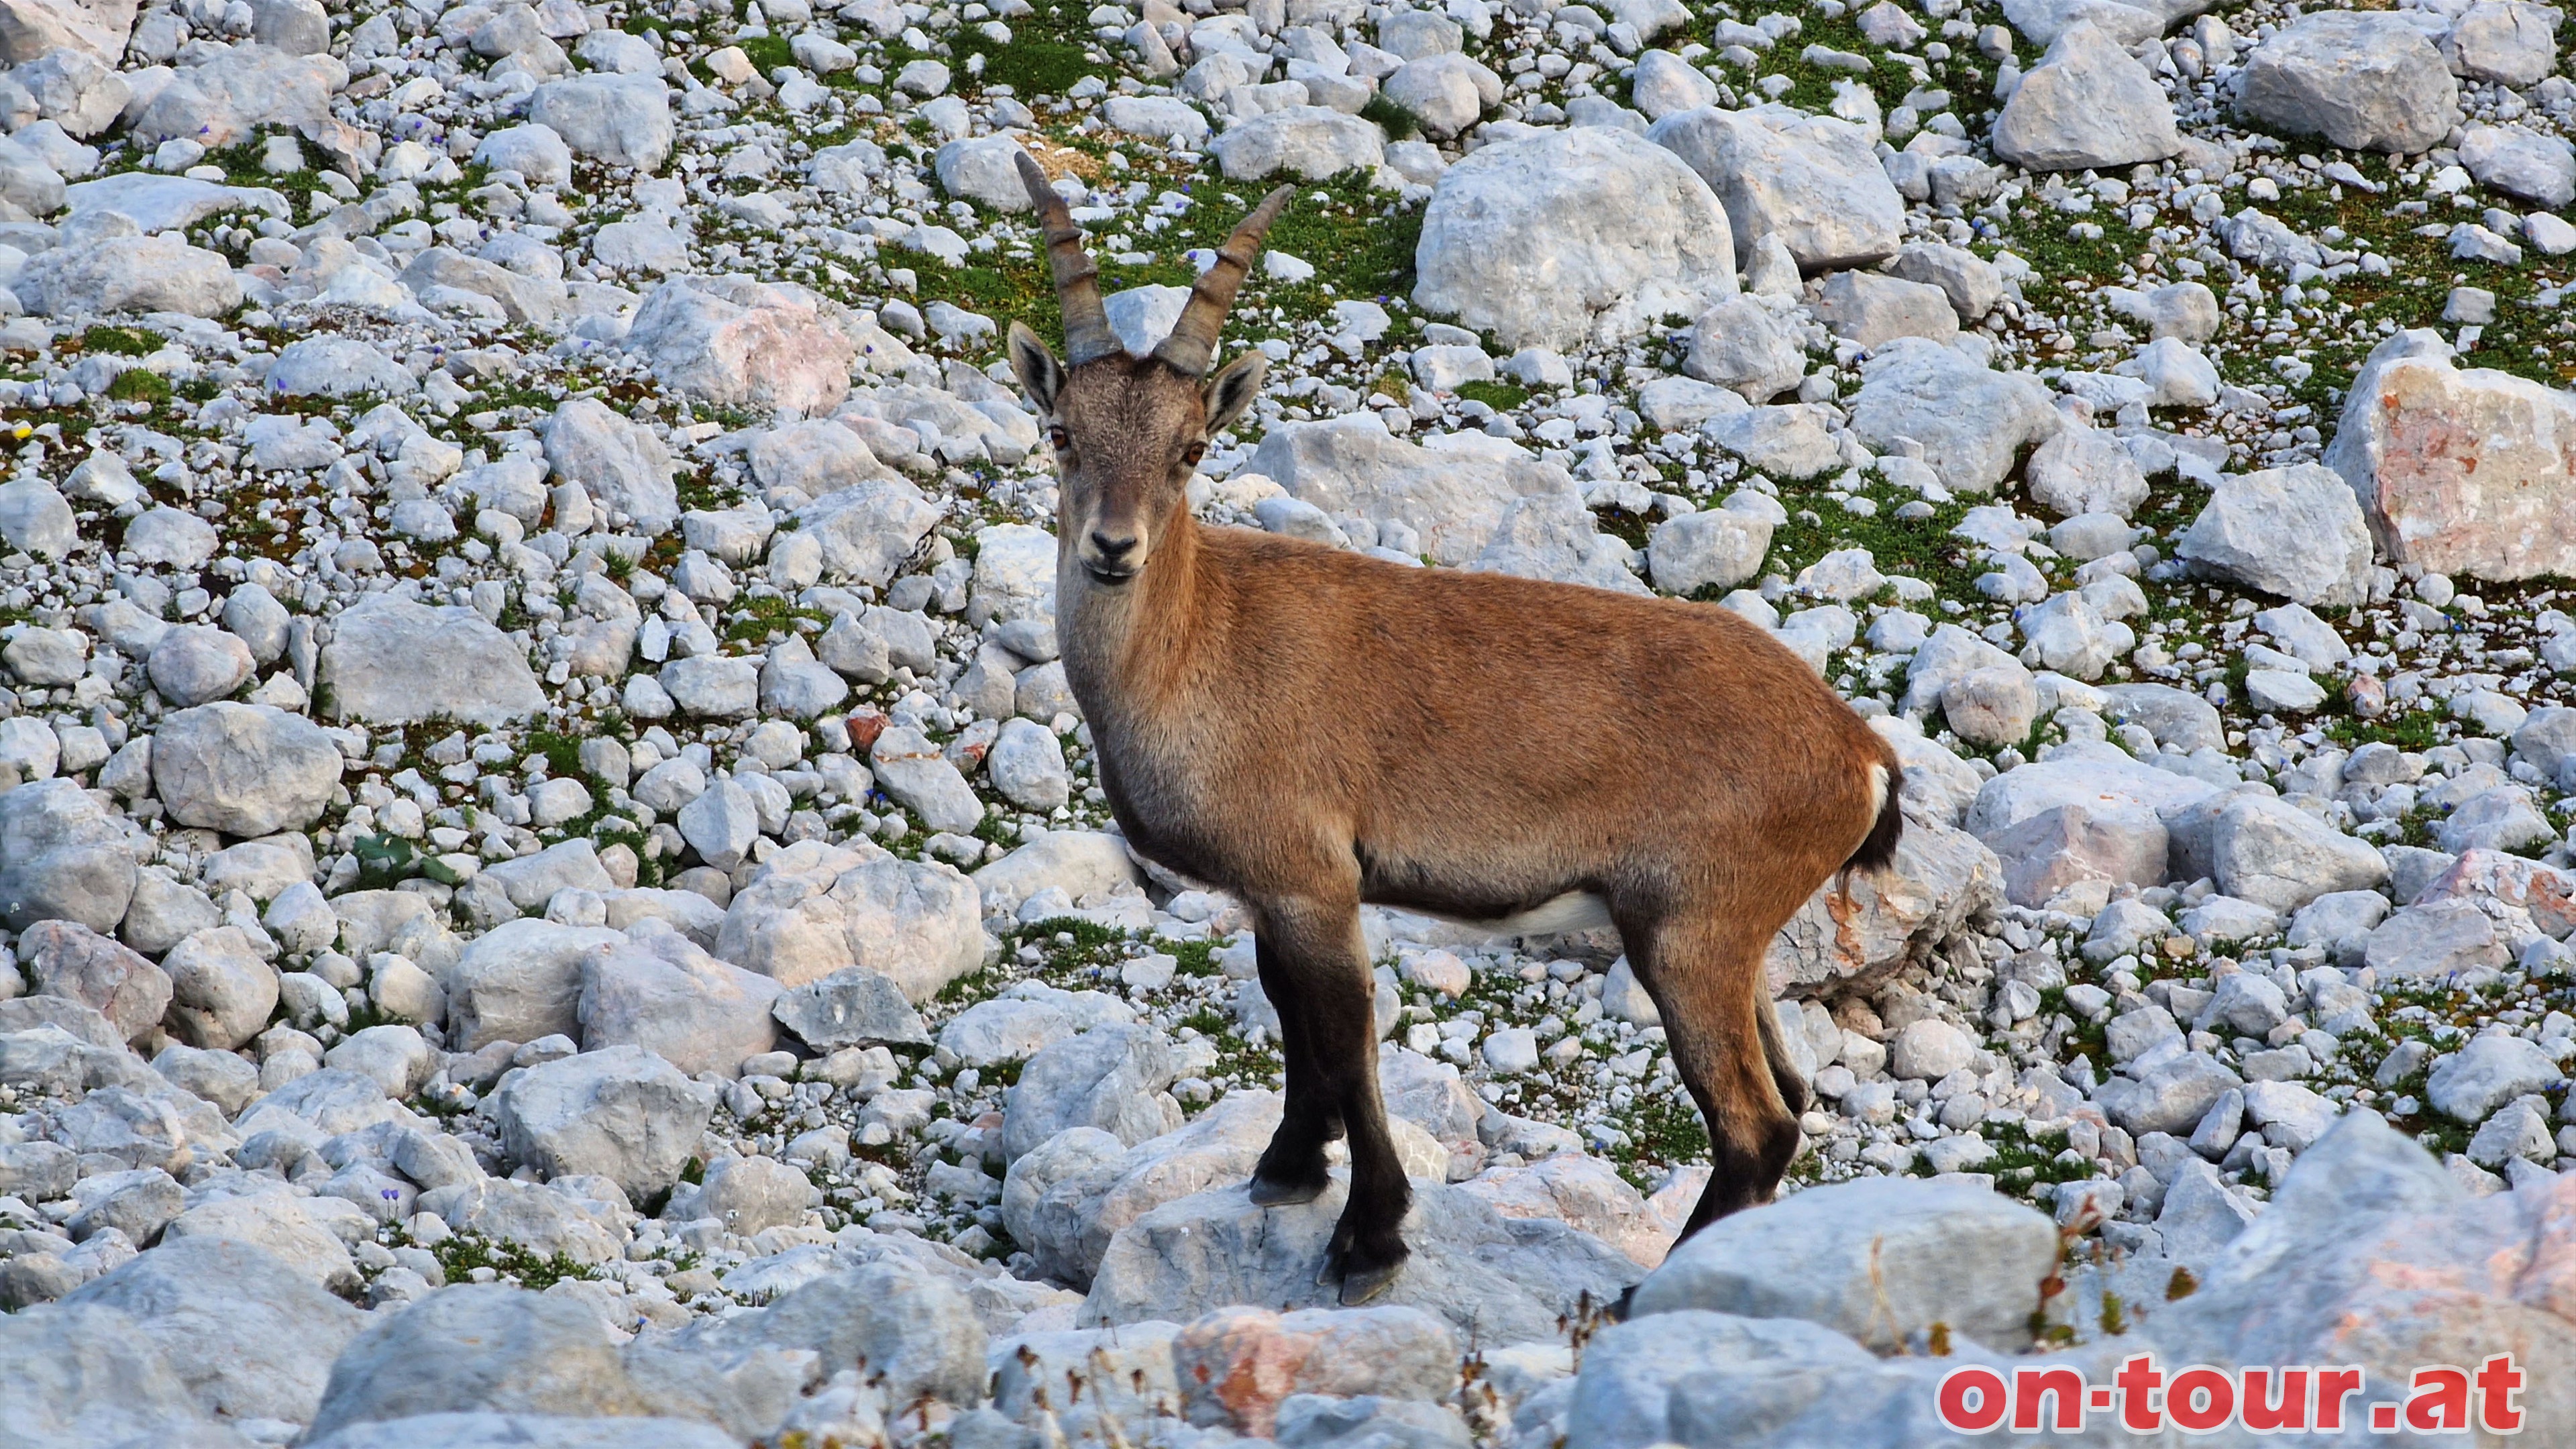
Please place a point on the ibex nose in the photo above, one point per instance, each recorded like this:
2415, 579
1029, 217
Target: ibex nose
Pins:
1112, 555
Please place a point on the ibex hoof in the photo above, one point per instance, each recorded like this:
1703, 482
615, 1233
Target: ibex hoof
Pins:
1268, 1193
1362, 1285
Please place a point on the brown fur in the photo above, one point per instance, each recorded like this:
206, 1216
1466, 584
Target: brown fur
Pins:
1312, 729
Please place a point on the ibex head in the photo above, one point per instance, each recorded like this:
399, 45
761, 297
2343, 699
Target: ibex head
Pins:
1128, 431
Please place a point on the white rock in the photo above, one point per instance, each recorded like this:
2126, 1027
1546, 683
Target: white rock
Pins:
1570, 237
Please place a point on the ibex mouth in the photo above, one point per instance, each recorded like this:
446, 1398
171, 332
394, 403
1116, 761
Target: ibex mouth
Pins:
1108, 576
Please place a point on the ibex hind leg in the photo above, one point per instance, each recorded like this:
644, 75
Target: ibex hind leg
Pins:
1704, 971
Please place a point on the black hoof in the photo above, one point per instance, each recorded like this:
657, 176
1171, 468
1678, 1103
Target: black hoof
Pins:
1275, 1192
1363, 1274
1362, 1285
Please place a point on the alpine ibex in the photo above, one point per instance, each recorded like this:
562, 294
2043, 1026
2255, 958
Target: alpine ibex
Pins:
1312, 729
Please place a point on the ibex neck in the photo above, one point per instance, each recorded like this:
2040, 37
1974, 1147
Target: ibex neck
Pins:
1127, 646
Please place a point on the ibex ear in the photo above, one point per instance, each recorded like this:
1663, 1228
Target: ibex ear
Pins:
1038, 370
1232, 389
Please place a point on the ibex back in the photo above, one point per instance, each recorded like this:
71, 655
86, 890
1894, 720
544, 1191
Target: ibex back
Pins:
1311, 729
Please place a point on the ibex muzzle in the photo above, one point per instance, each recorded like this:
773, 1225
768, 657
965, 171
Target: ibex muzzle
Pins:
1310, 729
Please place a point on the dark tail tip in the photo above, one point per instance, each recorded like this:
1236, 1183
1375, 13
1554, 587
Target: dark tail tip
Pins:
1878, 850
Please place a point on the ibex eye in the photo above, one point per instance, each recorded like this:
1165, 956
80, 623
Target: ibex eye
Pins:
1193, 453
1059, 438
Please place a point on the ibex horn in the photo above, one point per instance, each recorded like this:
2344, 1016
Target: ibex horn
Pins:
1192, 344
1087, 335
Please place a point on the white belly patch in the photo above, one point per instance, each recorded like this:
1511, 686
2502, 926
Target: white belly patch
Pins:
1572, 911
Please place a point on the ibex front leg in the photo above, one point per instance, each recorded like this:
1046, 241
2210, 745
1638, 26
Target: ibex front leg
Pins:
1321, 982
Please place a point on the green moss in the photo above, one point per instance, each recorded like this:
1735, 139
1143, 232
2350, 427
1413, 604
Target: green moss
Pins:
1194, 958
767, 617
140, 384
122, 341
461, 1254
766, 52
1618, 522
1502, 397
2022, 1160
1397, 120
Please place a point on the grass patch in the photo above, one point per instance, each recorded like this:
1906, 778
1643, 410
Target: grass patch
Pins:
2415, 730
140, 384
460, 1255
767, 617
1392, 116
1502, 397
1049, 51
122, 341
1921, 548
1662, 1131
2023, 1160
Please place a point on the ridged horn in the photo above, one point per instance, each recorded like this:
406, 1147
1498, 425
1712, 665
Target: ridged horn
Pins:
1087, 335
1192, 344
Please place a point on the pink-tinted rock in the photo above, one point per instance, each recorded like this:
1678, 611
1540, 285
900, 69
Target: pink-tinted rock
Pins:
1236, 1364
2547, 892
2459, 471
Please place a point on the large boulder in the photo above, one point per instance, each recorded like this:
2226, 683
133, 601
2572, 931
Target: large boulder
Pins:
86, 1374
1078, 862
1112, 1077
238, 92
660, 992
1878, 1259
250, 1337
1971, 421
520, 981
1314, 142
1810, 182
622, 463
1455, 496
2460, 471
815, 909
31, 30
2370, 1253
1851, 938
243, 769
393, 661
1572, 237
624, 120
853, 1006
621, 1112
127, 274
72, 961
1697, 1377
906, 1323
2296, 532
867, 530
479, 1347
64, 856
1507, 1280
2087, 105
2364, 80
2511, 41
2270, 852
739, 343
